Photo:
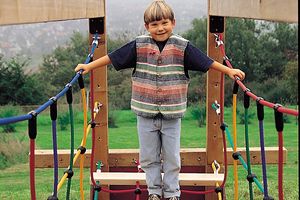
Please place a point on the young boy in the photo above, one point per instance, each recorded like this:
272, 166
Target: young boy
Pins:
160, 61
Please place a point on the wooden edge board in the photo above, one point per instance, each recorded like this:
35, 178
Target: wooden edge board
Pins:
185, 179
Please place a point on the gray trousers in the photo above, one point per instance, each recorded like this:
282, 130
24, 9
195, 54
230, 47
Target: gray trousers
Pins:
159, 141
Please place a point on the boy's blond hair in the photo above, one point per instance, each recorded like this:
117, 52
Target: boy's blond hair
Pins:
158, 10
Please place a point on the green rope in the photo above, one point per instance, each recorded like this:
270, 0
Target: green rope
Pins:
231, 144
72, 150
229, 136
248, 152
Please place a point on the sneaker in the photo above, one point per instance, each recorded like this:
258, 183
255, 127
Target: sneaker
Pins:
154, 197
174, 198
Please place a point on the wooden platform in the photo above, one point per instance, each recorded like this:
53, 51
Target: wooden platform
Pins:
126, 157
129, 178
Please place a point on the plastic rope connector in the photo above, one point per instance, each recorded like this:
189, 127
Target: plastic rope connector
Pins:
53, 109
80, 82
235, 88
32, 125
52, 198
251, 177
246, 100
69, 172
138, 191
278, 118
268, 198
236, 155
93, 124
82, 149
218, 190
223, 126
97, 188
69, 94
260, 109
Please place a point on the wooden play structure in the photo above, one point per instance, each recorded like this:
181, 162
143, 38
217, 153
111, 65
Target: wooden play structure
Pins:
196, 162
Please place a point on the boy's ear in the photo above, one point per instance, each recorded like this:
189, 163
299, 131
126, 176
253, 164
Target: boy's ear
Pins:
174, 22
147, 26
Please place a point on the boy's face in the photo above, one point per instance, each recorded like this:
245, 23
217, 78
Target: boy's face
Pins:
160, 30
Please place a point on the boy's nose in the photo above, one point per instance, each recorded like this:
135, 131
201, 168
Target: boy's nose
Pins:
160, 28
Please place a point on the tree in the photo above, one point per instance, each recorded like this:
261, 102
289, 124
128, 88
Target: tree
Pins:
262, 49
58, 68
16, 87
290, 81
197, 34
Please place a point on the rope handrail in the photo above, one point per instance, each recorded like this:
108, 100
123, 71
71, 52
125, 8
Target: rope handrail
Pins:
32, 124
282, 109
278, 112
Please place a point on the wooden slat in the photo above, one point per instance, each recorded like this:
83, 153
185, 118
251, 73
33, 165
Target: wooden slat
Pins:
33, 11
274, 10
126, 157
185, 179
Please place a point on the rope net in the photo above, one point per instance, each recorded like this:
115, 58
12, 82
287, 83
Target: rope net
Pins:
279, 110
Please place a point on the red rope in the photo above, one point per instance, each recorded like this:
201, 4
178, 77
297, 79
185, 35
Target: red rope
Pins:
120, 191
253, 96
280, 166
32, 171
197, 192
125, 191
223, 132
93, 129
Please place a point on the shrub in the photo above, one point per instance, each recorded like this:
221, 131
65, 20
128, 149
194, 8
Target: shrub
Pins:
198, 113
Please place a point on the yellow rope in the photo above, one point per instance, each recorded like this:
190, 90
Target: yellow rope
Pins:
235, 166
83, 140
61, 182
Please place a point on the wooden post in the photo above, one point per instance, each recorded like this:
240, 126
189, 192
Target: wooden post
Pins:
214, 144
100, 94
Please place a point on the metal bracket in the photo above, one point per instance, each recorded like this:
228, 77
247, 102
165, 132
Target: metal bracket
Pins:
96, 25
216, 24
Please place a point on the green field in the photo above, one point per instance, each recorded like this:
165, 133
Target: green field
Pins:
14, 182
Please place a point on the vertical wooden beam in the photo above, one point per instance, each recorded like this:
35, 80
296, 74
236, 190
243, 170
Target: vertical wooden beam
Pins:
214, 145
100, 94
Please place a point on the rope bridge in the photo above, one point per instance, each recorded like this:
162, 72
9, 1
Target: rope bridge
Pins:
98, 178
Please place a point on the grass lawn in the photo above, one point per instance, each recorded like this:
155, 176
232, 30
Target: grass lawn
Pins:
14, 182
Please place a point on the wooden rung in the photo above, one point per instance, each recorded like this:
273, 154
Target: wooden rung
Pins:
129, 178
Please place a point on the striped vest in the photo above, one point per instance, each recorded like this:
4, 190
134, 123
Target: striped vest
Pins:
159, 83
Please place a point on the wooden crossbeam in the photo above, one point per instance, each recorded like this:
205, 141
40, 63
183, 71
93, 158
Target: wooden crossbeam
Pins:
33, 11
126, 157
185, 179
274, 10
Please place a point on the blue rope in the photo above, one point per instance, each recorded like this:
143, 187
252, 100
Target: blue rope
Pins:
263, 158
55, 158
43, 107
